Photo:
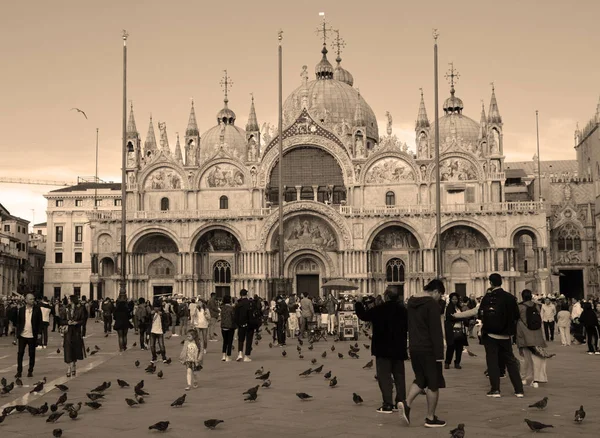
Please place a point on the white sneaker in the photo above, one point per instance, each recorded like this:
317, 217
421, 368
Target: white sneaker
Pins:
228, 359
39, 347
205, 351
597, 352
535, 385
589, 352
524, 382
240, 356
175, 335
247, 359
224, 357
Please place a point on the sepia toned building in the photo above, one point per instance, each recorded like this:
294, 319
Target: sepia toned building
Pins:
358, 204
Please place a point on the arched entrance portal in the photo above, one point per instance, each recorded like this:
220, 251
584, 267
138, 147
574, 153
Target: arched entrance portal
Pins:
155, 255
216, 254
307, 276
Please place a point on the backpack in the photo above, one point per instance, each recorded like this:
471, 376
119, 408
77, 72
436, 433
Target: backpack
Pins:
533, 319
492, 314
255, 317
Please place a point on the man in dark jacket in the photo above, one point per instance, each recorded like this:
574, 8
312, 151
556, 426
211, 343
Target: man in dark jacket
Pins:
390, 329
243, 309
28, 325
499, 315
213, 308
426, 344
107, 315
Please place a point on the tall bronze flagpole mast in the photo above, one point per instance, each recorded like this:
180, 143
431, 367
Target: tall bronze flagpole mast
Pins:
280, 188
537, 133
438, 207
123, 284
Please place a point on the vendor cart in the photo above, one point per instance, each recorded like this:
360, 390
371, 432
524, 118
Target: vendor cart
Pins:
347, 320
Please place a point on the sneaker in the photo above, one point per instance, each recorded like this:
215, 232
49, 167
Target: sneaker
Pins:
590, 352
597, 352
187, 388
223, 358
494, 394
240, 357
524, 382
436, 422
228, 359
404, 411
204, 352
39, 347
175, 335
164, 360
535, 384
519, 395
385, 410
247, 359
18, 376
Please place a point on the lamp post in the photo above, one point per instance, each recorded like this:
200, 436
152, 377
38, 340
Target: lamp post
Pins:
438, 207
123, 282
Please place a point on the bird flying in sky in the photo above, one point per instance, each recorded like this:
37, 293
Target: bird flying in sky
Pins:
80, 111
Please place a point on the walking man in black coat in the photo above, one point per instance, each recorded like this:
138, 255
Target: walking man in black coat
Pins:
28, 325
390, 331
243, 310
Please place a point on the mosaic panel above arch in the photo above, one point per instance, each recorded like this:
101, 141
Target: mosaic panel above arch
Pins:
463, 237
218, 240
389, 170
223, 175
155, 243
163, 178
394, 237
457, 169
307, 230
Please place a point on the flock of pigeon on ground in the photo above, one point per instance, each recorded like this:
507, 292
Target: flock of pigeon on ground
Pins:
96, 395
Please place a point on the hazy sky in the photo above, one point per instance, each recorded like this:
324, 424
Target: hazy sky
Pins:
541, 54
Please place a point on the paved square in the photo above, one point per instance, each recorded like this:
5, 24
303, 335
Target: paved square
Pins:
332, 413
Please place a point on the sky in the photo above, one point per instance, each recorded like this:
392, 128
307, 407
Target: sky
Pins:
540, 54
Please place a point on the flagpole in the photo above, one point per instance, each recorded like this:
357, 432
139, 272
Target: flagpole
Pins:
280, 188
123, 284
96, 175
537, 129
438, 208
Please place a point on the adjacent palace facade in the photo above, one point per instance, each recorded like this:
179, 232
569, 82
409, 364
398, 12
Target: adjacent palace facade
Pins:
359, 204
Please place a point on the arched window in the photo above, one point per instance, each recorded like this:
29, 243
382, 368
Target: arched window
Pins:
164, 204
394, 271
390, 199
569, 238
222, 272
223, 202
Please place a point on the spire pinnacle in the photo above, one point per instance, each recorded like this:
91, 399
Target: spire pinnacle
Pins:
226, 84
178, 155
494, 112
452, 75
131, 128
192, 126
422, 119
339, 44
482, 122
150, 143
252, 124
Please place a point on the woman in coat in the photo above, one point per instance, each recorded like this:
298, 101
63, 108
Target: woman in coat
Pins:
122, 316
531, 345
456, 333
73, 346
589, 320
227, 327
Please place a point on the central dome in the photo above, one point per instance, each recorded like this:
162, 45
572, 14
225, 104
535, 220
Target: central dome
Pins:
231, 137
338, 99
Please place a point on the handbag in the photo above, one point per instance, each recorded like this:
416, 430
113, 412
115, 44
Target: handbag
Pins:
63, 329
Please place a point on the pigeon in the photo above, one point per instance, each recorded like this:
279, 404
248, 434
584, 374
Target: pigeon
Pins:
324, 355
470, 353
459, 432
313, 361
80, 111
535, 425
37, 388
251, 397
270, 345
61, 400
353, 355
333, 348
264, 376
252, 390
340, 355
93, 352
96, 348
300, 341
54, 417
32, 410
259, 371
367, 346
2, 417
305, 373
283, 353
140, 384
300, 357
179, 402
150, 368
356, 345
93, 396
540, 404
299, 349
318, 370
268, 330
357, 399
62, 388
7, 389
139, 399
333, 382
43, 409
57, 433
19, 382
134, 344
266, 384
100, 388
73, 414
6, 411
87, 350
160, 426
53, 408
58, 352
327, 375
168, 362
137, 363
122, 383
68, 407
20, 408
3, 381
310, 347
94, 405
131, 402
368, 365
212, 423
579, 415
140, 392
160, 374
303, 396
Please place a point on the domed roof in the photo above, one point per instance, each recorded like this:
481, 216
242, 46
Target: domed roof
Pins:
459, 126
230, 136
338, 99
341, 74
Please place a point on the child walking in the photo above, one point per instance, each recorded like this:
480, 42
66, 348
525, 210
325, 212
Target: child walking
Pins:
191, 356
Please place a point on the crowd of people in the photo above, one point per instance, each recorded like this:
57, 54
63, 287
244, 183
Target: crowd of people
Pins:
427, 329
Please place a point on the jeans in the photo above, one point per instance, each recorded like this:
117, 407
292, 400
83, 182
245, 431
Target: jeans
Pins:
227, 340
22, 343
549, 330
183, 325
45, 326
331, 323
303, 325
108, 325
161, 344
245, 334
386, 368
451, 349
565, 335
212, 324
497, 350
281, 330
592, 339
84, 328
142, 331
203, 336
122, 335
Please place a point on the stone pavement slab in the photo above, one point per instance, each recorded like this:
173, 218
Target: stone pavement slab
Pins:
573, 381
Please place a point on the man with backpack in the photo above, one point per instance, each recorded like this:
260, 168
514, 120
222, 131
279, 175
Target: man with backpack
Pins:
243, 315
499, 315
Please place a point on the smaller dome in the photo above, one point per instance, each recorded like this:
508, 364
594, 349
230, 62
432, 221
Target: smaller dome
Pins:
453, 104
324, 69
341, 74
231, 137
226, 115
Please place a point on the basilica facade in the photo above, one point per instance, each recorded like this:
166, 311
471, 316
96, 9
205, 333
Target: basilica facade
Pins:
359, 205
